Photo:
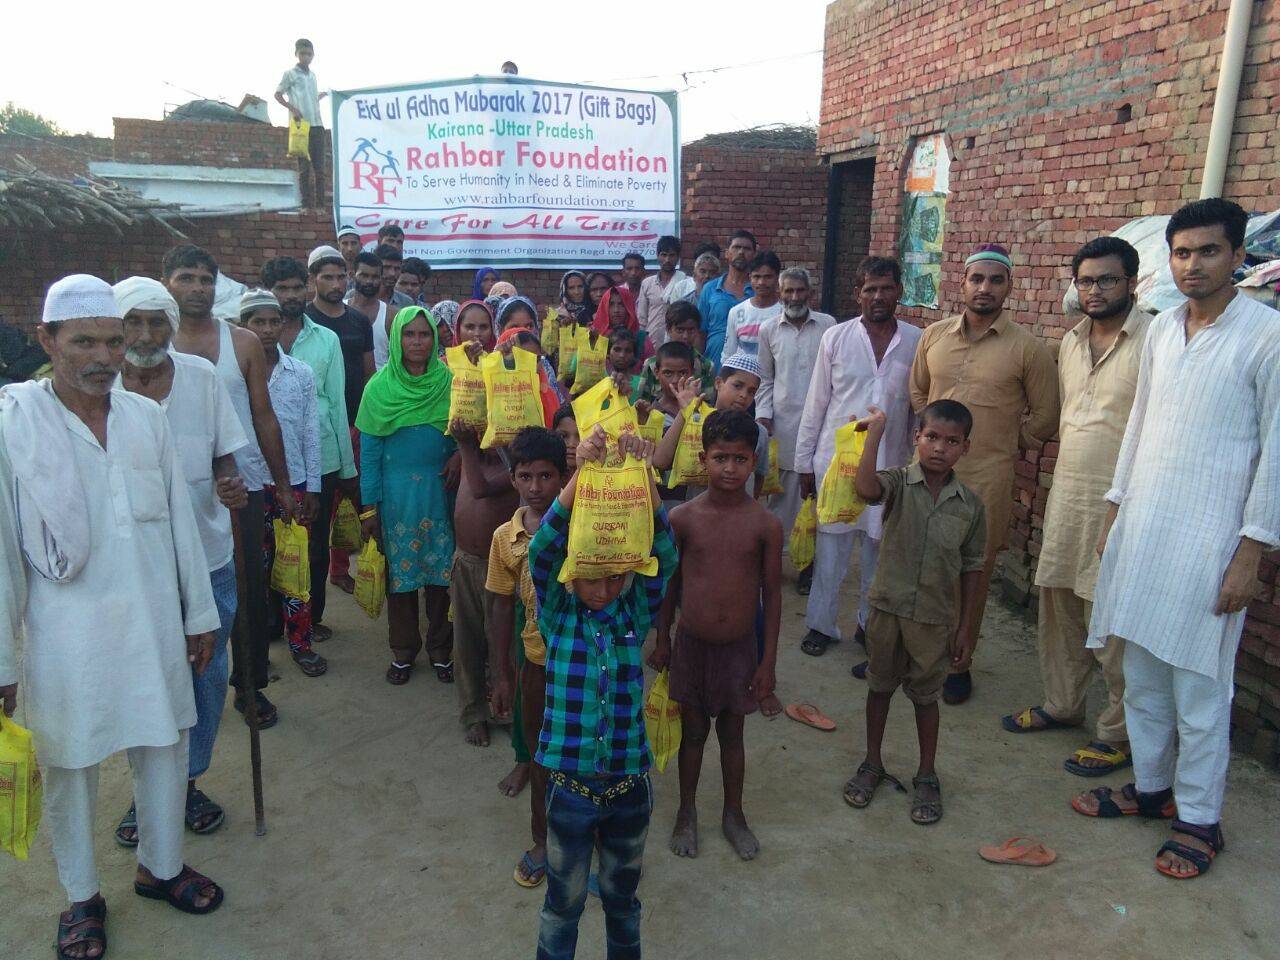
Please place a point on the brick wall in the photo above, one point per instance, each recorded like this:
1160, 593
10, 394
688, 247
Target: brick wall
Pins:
778, 194
1065, 118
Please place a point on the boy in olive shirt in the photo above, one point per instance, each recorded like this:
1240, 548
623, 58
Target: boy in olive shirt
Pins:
935, 532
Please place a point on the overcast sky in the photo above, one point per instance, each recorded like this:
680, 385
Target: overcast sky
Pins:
80, 64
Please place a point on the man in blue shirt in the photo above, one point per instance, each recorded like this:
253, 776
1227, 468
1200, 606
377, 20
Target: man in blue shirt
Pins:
725, 292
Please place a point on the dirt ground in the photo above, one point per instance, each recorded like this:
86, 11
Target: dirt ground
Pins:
387, 837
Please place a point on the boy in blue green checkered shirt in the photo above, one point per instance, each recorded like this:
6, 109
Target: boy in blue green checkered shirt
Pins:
593, 743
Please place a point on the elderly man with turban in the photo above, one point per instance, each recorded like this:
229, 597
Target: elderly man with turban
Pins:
105, 576
1007, 379
206, 432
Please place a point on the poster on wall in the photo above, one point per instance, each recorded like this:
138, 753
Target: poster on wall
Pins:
509, 171
924, 202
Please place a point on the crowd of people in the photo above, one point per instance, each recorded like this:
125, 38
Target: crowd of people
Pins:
155, 459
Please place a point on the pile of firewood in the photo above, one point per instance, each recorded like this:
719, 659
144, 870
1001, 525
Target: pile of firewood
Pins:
34, 201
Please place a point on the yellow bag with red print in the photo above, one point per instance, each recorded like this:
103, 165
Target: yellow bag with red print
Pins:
511, 396
567, 340
804, 535
299, 139
773, 479
687, 466
291, 570
838, 502
550, 332
345, 532
21, 791
371, 579
662, 722
611, 527
466, 392
590, 358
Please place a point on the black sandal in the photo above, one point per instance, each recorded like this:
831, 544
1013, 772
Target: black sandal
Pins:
398, 673
311, 663
267, 713
182, 890
858, 796
83, 924
925, 812
200, 807
1202, 861
1151, 806
444, 671
815, 643
128, 822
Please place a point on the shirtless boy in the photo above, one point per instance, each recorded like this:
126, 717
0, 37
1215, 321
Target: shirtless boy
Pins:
730, 550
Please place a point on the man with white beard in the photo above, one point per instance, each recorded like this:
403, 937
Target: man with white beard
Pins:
102, 573
206, 432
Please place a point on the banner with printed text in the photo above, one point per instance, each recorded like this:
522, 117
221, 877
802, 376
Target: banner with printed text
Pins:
508, 171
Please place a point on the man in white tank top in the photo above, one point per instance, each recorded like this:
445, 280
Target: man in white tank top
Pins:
191, 274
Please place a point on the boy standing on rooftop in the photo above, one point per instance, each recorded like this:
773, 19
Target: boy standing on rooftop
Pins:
303, 103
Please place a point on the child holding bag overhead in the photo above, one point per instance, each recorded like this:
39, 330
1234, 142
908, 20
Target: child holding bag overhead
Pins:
592, 743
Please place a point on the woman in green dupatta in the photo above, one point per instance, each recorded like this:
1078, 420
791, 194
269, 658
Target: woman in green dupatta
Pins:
403, 451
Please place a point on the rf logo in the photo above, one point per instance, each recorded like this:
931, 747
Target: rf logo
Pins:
375, 170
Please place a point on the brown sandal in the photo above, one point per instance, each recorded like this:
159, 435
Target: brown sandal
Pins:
181, 891
925, 812
398, 673
858, 796
83, 925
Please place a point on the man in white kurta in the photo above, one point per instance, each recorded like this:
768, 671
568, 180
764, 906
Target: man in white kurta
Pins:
863, 363
788, 353
105, 577
1197, 500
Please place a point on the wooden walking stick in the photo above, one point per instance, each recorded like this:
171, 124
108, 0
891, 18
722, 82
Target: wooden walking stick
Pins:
247, 690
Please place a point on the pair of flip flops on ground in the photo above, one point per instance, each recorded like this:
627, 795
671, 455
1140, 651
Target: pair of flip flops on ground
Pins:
1110, 759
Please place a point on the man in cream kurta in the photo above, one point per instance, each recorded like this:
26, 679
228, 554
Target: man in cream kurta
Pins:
1196, 500
863, 363
104, 575
1005, 376
1097, 377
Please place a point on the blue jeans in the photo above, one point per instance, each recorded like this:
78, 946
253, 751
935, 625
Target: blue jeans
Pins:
211, 686
574, 823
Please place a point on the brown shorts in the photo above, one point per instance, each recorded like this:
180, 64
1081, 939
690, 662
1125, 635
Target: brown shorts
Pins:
907, 653
713, 678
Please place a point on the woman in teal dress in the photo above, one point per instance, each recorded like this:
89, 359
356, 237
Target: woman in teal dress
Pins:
403, 450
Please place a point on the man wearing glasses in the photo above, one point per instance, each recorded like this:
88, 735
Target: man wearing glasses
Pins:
1097, 377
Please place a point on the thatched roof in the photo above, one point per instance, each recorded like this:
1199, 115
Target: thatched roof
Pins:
33, 201
774, 136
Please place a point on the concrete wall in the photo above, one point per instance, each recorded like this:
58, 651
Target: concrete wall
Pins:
1065, 118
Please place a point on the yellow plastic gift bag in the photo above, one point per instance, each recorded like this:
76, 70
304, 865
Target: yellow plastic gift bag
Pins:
611, 528
591, 406
568, 347
466, 392
371, 579
550, 332
20, 789
662, 722
345, 532
804, 535
299, 139
773, 479
652, 429
590, 358
687, 467
838, 502
291, 571
511, 396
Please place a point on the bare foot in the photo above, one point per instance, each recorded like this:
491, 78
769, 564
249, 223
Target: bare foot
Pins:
513, 782
344, 583
478, 734
739, 835
684, 836
770, 706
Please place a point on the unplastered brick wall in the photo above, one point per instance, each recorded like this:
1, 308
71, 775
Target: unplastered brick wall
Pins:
778, 194
1065, 119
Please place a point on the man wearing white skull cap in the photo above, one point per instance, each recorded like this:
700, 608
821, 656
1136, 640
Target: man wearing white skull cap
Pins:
104, 576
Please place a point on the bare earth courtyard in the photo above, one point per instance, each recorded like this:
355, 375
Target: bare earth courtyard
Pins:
388, 838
